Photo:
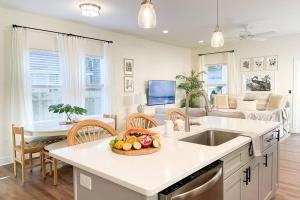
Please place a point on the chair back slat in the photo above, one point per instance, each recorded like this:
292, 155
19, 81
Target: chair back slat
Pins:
89, 130
140, 120
20, 141
114, 117
174, 114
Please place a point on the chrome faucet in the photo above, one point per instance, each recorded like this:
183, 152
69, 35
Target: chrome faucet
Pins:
187, 106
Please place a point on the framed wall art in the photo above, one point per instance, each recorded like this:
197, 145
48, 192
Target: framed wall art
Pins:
258, 63
258, 82
245, 65
271, 62
128, 84
128, 66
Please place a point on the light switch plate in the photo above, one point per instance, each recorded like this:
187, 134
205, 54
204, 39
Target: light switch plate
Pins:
85, 181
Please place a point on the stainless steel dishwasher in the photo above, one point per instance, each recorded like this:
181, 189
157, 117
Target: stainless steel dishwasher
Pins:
205, 184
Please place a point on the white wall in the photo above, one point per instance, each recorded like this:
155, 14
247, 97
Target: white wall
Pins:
153, 60
286, 47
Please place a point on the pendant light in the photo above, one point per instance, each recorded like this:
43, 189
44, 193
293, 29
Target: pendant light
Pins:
147, 15
217, 39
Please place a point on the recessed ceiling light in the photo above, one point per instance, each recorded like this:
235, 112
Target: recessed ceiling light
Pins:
200, 41
165, 31
90, 9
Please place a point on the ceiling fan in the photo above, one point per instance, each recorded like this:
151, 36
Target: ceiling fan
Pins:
246, 34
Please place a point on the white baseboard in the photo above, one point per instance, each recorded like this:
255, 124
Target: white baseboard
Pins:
5, 160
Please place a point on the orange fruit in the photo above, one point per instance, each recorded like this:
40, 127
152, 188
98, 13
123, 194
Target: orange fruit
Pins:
119, 145
132, 139
127, 146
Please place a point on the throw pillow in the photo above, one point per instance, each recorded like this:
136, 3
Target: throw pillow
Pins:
246, 105
221, 101
275, 101
249, 97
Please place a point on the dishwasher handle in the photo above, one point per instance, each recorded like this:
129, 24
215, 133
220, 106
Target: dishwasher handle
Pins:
202, 188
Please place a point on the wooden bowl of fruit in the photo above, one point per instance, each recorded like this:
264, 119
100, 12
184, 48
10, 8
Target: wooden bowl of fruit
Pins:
135, 142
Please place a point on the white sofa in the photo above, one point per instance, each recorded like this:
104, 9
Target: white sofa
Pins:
267, 107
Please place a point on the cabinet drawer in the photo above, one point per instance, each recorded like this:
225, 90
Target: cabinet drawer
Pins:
268, 139
235, 160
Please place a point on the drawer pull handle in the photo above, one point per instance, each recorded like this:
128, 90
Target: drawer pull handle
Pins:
247, 179
266, 160
278, 135
270, 139
249, 174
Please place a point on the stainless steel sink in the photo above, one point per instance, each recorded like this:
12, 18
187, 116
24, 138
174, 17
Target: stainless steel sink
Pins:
211, 138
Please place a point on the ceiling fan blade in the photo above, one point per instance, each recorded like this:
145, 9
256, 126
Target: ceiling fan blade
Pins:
263, 34
259, 39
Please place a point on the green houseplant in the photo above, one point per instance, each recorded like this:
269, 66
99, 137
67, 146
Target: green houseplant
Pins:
68, 110
188, 84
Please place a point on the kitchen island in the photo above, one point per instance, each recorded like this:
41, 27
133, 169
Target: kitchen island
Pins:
101, 174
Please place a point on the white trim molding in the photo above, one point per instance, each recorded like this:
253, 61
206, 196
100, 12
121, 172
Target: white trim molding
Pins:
5, 160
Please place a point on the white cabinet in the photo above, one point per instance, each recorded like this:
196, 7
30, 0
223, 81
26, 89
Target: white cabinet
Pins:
268, 173
243, 184
250, 191
255, 180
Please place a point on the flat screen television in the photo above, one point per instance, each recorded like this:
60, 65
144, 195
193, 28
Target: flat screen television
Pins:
161, 92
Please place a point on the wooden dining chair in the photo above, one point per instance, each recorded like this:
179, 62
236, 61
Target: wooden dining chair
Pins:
140, 120
21, 149
175, 113
81, 132
114, 117
88, 131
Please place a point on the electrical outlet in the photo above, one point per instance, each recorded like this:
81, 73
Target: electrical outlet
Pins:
85, 181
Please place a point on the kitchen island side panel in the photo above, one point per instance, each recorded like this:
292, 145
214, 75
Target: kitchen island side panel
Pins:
102, 189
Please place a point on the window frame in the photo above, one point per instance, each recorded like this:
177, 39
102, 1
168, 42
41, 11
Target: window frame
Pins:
42, 86
207, 86
90, 86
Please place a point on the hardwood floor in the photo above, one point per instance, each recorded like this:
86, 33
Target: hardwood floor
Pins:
36, 188
289, 169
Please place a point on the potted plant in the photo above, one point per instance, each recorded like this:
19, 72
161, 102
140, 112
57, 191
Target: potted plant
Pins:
189, 84
68, 110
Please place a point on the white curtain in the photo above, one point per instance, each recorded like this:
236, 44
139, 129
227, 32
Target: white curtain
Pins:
107, 79
296, 97
20, 97
232, 78
201, 67
71, 55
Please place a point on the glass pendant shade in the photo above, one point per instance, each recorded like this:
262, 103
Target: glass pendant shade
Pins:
147, 15
90, 10
217, 39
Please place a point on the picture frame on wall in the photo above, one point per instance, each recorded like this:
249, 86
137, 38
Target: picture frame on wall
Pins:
128, 66
272, 62
128, 84
258, 63
258, 82
245, 65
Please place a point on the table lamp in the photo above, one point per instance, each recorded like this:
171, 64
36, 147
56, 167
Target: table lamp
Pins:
140, 99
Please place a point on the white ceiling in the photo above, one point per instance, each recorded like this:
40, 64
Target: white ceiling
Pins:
188, 21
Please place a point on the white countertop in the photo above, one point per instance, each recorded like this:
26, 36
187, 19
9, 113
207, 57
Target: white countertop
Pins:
149, 174
234, 125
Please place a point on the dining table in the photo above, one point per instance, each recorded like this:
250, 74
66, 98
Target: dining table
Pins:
57, 128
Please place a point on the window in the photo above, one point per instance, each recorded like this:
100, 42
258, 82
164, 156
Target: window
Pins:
216, 80
93, 85
46, 85
45, 80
